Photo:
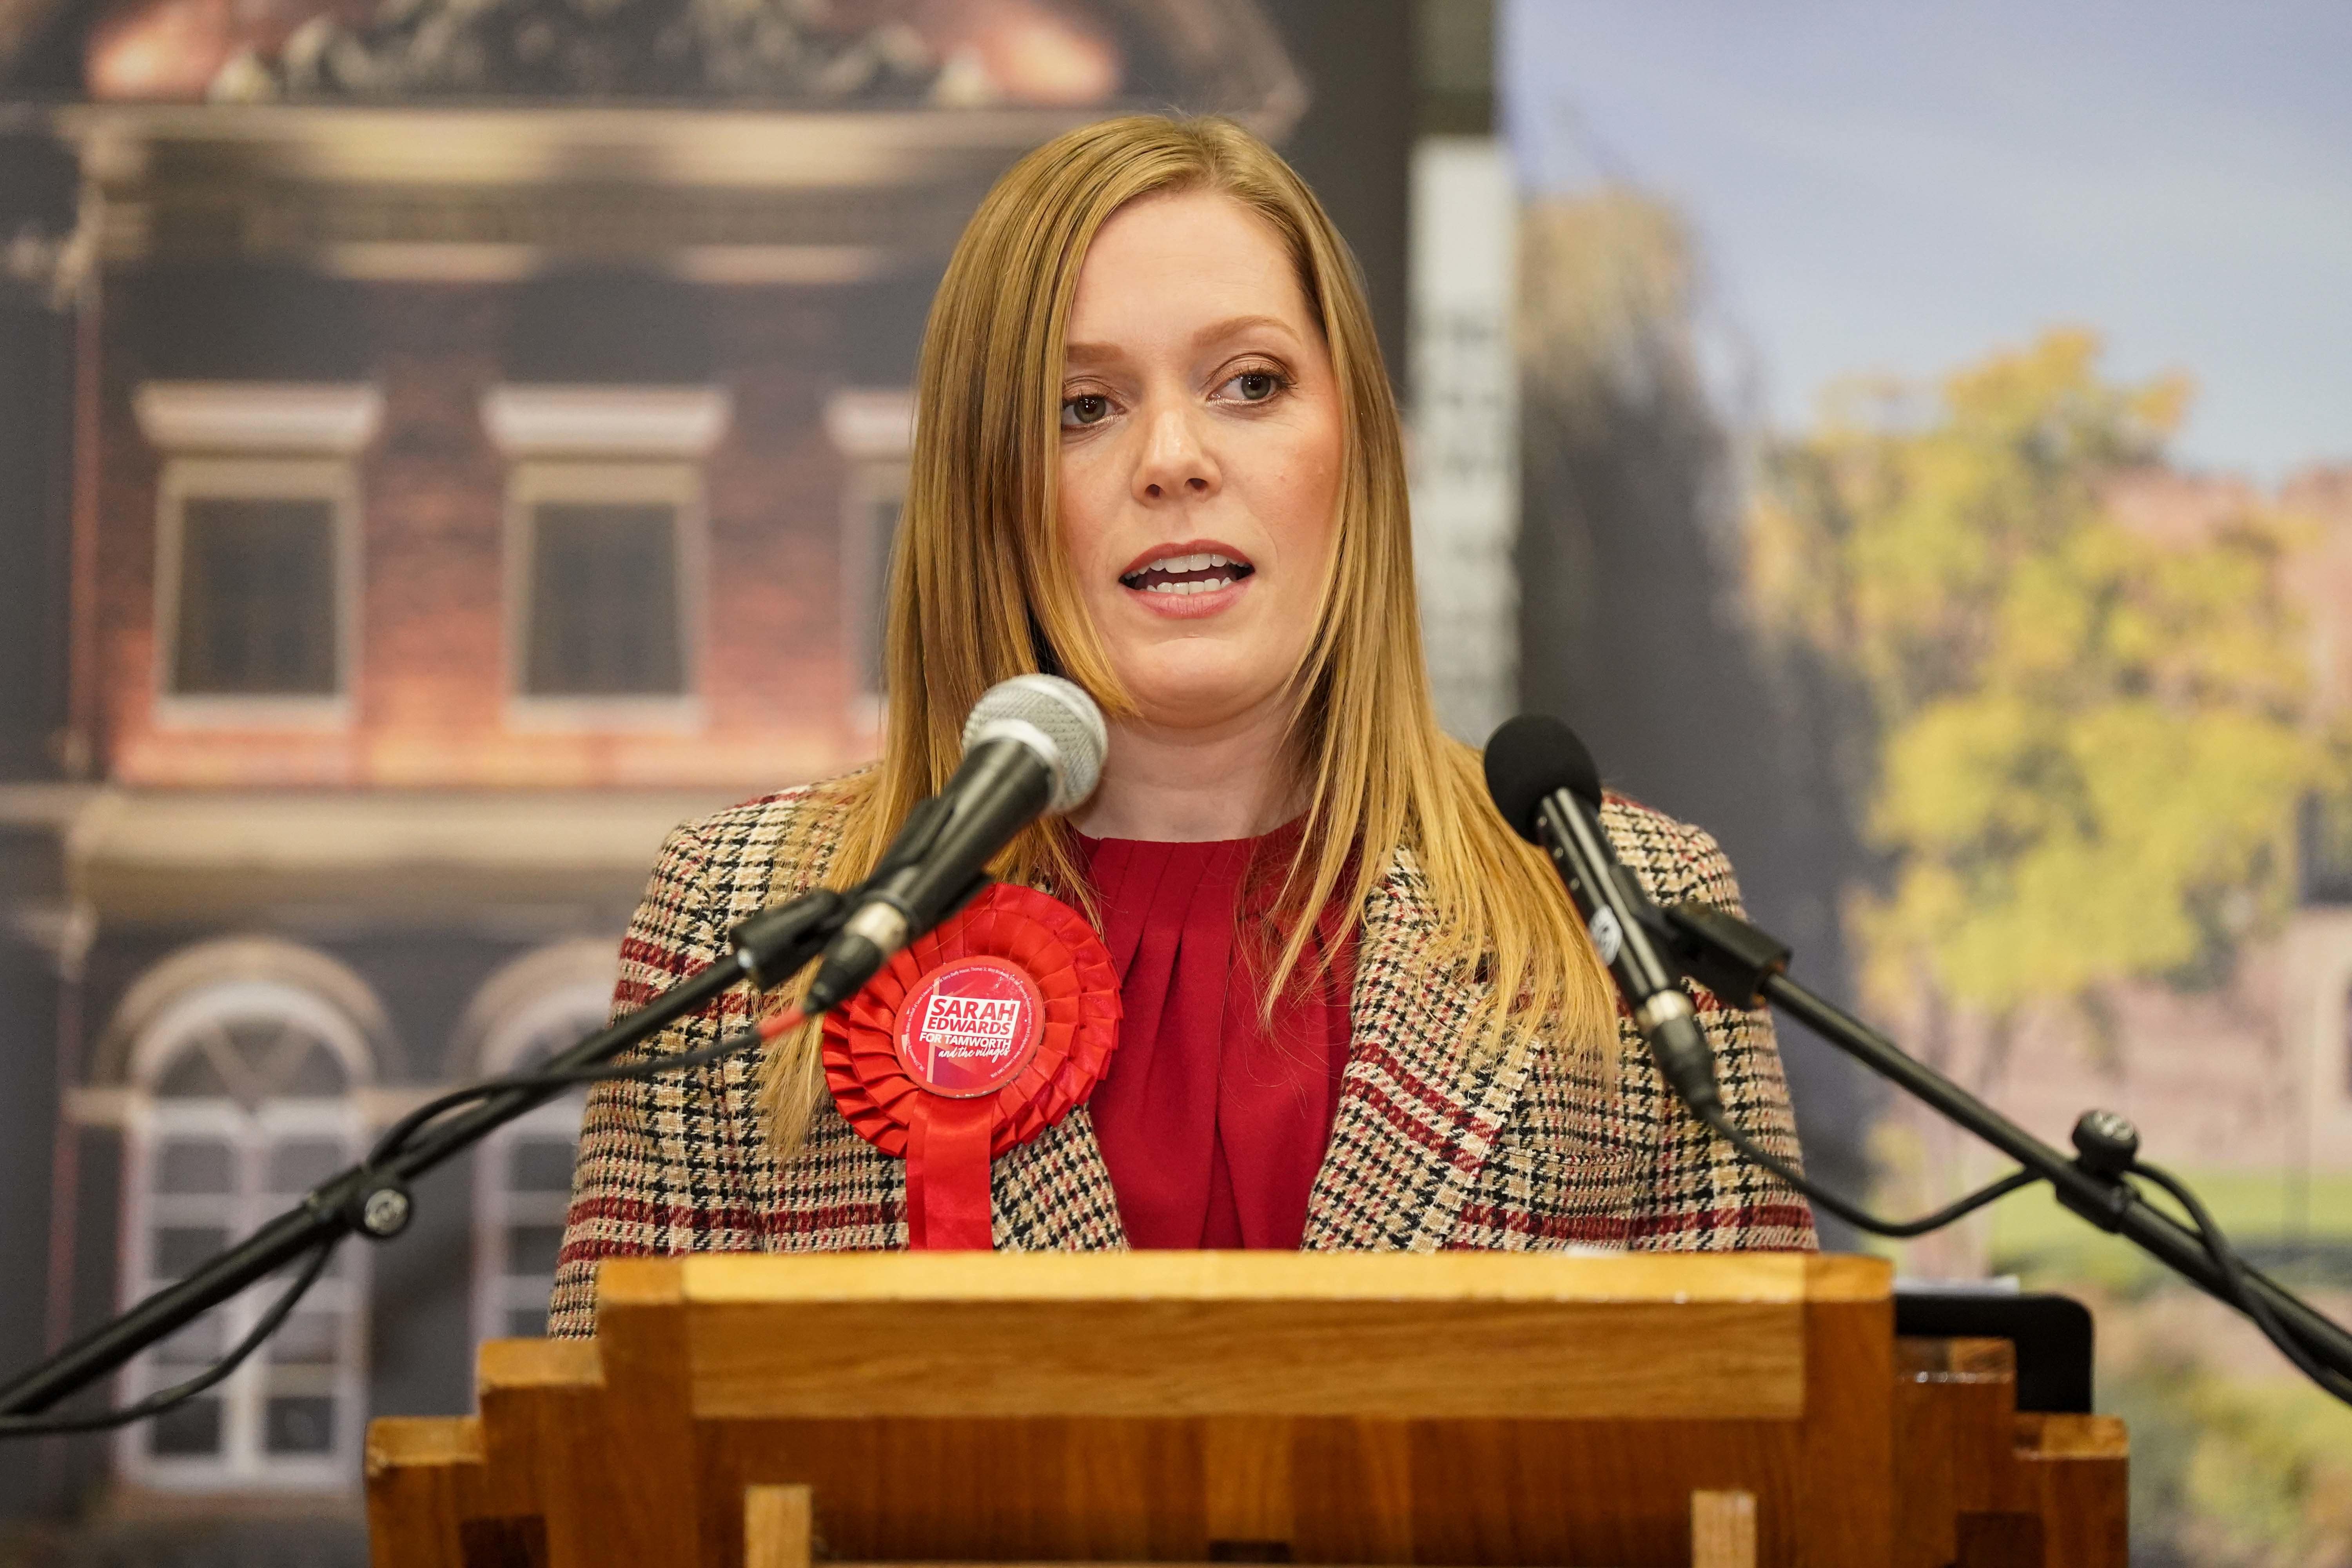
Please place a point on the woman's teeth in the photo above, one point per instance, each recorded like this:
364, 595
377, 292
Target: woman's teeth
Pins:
1202, 573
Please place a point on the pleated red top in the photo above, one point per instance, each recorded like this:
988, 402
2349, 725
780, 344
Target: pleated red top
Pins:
1214, 1125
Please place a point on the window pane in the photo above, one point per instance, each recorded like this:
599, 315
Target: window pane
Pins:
315, 1074
540, 1165
180, 1248
286, 1057
195, 1165
198, 1345
192, 1075
298, 1164
256, 611
604, 601
532, 1249
194, 1428
306, 1339
301, 1424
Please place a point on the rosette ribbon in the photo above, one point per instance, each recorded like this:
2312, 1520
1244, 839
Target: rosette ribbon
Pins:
975, 1037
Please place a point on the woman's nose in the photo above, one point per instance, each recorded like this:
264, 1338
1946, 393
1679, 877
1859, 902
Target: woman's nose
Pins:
1174, 462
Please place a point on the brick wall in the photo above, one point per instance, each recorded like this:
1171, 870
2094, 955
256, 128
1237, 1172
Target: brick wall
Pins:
774, 678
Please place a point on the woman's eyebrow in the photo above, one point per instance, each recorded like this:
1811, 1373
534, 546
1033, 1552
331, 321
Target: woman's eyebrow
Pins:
1214, 332
1234, 326
1092, 353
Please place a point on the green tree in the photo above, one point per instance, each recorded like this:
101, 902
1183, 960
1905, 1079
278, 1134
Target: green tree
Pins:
2080, 746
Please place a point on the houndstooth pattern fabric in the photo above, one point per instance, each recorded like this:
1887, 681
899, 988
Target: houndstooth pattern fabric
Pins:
1432, 1147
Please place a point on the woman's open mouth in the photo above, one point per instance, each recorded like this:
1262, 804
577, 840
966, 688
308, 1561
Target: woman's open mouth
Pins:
1187, 580
1173, 578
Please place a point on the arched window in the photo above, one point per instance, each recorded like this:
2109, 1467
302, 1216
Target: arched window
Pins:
539, 1005
241, 1103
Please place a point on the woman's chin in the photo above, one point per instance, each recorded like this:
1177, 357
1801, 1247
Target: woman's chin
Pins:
1193, 691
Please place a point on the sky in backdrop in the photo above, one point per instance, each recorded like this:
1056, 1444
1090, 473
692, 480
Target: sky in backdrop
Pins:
1897, 187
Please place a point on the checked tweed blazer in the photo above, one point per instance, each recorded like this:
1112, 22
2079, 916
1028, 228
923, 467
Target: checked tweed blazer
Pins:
1432, 1147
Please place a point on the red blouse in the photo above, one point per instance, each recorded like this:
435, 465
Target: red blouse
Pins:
1214, 1125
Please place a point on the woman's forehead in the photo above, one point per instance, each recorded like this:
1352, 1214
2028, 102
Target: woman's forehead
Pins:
1185, 268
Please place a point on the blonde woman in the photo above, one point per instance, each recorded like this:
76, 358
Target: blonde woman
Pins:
1157, 452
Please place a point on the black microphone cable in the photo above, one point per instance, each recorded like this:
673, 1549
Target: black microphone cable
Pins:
179, 1394
2232, 1266
1720, 1121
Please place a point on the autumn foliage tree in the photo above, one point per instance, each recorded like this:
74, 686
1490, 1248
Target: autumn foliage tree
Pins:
2080, 746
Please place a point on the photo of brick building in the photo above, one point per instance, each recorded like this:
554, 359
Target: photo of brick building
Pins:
473, 443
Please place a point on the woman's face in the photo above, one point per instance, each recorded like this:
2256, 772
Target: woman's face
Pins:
1200, 456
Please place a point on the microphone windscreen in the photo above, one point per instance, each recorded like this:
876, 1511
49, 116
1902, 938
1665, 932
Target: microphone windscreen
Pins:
1053, 717
1528, 758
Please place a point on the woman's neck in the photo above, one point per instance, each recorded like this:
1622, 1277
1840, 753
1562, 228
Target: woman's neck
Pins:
1231, 780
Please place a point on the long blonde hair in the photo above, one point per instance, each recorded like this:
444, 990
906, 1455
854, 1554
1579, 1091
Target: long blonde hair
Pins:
981, 589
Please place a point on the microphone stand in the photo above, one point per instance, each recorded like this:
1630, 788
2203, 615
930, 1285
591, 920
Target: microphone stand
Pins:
1748, 967
373, 1200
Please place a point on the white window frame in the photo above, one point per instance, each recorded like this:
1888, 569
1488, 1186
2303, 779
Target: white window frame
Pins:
256, 441
498, 1207
873, 429
244, 1464
254, 478
678, 486
602, 443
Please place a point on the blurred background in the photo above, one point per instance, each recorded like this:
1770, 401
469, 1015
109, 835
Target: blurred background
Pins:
444, 443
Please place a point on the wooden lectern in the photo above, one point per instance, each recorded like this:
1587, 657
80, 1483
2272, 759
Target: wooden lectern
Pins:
1463, 1408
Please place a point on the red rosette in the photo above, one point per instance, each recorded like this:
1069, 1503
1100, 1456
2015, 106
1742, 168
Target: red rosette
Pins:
1015, 1012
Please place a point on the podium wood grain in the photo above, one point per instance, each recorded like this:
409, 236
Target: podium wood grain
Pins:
1468, 1409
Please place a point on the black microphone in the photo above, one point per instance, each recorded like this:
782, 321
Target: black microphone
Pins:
1543, 781
1034, 745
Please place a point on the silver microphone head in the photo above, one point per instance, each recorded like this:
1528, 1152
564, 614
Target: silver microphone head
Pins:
1054, 719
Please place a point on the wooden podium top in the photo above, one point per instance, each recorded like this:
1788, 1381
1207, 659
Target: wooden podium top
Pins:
1454, 1335
731, 1278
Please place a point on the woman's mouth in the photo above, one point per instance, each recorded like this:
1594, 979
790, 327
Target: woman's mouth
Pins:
1177, 577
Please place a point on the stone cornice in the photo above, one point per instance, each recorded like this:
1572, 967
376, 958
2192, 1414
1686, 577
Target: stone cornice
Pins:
610, 421
257, 417
492, 194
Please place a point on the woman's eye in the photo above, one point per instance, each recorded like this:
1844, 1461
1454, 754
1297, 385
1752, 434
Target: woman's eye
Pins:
1091, 409
1255, 385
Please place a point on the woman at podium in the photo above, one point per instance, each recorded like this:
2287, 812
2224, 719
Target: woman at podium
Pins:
1157, 453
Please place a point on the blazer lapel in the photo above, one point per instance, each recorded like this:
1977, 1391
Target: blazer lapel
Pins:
1053, 1193
1419, 1107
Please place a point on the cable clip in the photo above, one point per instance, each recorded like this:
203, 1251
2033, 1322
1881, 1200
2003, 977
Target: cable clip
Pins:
2105, 1144
379, 1207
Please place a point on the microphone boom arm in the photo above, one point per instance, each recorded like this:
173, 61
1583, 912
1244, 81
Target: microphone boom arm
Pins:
1748, 967
371, 1198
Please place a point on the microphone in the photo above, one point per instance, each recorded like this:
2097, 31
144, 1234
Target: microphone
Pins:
1034, 745
1543, 781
